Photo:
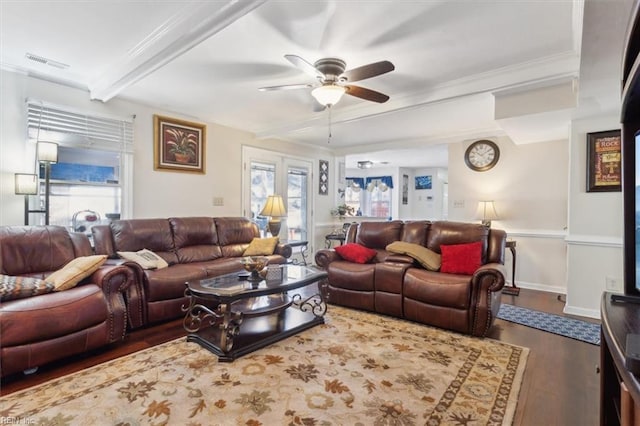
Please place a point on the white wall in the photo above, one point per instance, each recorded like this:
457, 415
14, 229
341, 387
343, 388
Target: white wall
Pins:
529, 187
594, 240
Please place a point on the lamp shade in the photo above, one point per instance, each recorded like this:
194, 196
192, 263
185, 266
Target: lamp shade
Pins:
48, 152
274, 207
26, 184
328, 94
486, 212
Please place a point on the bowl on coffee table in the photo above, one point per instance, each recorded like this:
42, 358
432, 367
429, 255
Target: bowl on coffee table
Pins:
255, 265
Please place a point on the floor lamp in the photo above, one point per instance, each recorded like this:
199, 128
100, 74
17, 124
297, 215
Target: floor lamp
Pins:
47, 154
27, 184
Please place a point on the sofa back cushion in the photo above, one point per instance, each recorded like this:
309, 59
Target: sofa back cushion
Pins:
378, 235
450, 233
32, 250
235, 234
151, 234
195, 239
415, 232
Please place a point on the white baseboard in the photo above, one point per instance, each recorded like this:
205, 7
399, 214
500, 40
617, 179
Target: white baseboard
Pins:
542, 287
589, 313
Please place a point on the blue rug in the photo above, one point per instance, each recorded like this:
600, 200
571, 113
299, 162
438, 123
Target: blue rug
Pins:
568, 327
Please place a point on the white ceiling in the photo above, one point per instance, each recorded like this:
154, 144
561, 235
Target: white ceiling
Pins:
206, 60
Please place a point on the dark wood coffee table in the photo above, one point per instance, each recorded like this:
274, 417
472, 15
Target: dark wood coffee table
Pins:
232, 316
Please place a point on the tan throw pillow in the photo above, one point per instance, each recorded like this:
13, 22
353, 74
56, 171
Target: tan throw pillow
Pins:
145, 258
261, 247
75, 271
429, 259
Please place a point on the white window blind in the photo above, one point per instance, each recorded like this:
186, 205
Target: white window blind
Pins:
49, 122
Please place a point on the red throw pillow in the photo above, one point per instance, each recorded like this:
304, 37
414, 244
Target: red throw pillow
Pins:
356, 253
461, 258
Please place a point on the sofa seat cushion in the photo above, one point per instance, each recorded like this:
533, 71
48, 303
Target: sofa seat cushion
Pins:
352, 276
435, 288
52, 315
169, 283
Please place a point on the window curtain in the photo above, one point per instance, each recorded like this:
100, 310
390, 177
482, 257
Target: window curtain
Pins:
387, 180
355, 181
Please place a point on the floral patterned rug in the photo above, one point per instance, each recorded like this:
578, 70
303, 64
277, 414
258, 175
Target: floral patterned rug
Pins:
357, 369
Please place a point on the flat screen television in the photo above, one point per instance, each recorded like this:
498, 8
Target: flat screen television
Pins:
630, 119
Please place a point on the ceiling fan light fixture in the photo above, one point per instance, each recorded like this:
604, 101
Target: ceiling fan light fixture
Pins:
329, 94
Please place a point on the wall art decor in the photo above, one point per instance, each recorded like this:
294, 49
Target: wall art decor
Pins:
423, 182
323, 179
604, 161
179, 145
405, 189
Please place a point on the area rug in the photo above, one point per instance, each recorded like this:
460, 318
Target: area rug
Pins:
567, 327
357, 369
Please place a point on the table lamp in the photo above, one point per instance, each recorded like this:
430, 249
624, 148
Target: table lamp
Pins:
274, 208
486, 212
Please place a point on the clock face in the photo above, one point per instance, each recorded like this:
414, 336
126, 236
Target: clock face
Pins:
482, 155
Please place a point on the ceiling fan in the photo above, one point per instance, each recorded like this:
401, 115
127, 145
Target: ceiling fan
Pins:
334, 80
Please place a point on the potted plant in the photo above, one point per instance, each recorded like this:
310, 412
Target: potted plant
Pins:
342, 210
182, 145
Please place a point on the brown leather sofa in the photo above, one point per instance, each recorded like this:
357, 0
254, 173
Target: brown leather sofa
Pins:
39, 329
194, 247
394, 284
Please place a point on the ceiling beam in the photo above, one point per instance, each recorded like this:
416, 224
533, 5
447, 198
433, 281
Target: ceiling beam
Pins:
195, 23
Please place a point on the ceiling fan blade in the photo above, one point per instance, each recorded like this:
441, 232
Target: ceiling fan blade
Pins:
368, 71
367, 94
304, 66
286, 87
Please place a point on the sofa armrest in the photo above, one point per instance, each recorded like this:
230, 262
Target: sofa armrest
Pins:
134, 295
325, 256
283, 250
115, 280
486, 284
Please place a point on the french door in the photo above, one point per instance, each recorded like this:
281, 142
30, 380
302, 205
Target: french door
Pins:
268, 173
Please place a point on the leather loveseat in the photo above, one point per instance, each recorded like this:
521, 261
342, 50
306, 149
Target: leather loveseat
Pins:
395, 284
36, 330
194, 247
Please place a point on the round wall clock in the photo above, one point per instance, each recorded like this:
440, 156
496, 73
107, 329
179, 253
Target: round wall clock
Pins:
482, 155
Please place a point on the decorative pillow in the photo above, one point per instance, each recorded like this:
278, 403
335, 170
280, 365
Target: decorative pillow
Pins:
356, 253
261, 247
75, 271
461, 258
429, 259
145, 258
20, 287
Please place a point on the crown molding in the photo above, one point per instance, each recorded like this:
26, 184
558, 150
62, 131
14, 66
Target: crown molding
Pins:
196, 22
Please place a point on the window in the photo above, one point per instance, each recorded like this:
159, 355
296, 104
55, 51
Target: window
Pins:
262, 185
87, 184
371, 196
297, 184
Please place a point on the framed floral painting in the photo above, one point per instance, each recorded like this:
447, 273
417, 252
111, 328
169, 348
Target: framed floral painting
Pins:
179, 145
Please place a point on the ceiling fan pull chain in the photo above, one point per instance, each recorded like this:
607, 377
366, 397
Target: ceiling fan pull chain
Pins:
329, 138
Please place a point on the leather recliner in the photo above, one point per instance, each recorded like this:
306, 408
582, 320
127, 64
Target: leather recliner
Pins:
40, 329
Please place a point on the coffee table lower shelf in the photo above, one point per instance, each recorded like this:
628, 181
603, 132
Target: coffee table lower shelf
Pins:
256, 332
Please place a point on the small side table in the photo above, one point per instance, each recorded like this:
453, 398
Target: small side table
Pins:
303, 249
513, 290
334, 237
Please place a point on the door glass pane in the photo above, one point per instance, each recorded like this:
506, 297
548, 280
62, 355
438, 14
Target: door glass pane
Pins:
262, 185
297, 182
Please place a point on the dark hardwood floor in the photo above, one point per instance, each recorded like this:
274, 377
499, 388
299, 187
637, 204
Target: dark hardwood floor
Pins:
560, 386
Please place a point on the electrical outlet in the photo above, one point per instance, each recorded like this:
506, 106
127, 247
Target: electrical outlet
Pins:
458, 204
218, 201
613, 284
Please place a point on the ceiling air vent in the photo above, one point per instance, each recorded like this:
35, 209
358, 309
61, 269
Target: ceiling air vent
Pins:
50, 62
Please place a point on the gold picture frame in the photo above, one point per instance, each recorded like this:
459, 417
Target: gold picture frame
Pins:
179, 145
